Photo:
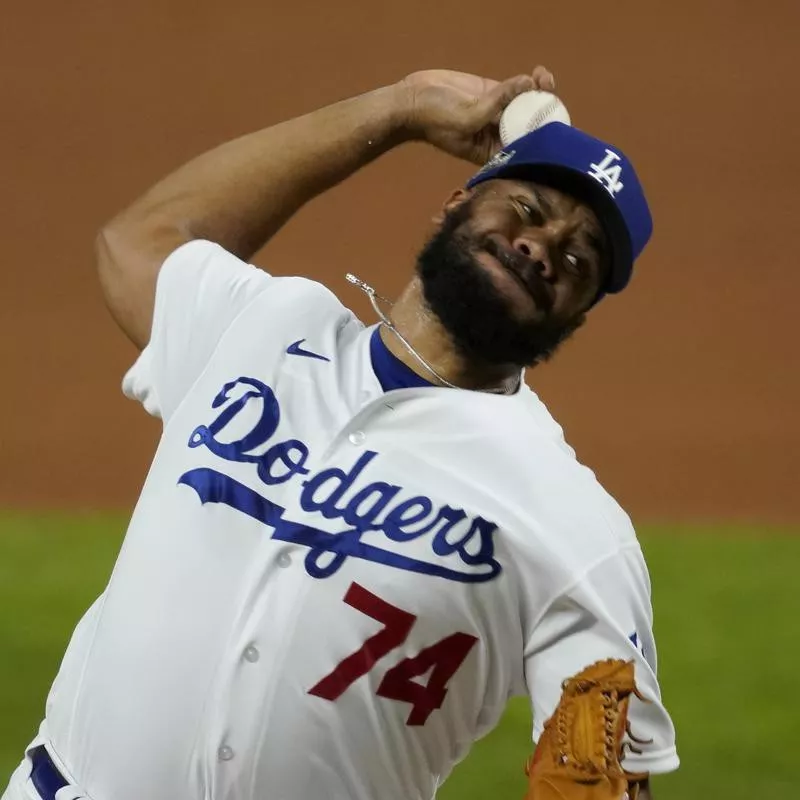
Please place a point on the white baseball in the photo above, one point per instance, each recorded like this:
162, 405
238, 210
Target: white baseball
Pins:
529, 111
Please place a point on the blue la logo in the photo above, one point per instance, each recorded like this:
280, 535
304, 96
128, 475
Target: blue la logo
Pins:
335, 493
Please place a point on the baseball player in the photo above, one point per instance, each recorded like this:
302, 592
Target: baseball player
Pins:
356, 542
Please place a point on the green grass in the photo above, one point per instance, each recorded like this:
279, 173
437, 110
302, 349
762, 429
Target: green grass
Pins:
727, 604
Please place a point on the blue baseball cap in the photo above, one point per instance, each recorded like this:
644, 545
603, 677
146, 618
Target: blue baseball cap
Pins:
595, 173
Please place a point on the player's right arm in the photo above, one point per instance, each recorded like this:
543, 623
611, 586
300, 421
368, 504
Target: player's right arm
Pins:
239, 194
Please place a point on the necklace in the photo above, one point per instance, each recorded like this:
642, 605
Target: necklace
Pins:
508, 387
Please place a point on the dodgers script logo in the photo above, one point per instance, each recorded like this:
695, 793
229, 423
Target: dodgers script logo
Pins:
373, 515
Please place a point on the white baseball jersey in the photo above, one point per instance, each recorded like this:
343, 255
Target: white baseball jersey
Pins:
327, 589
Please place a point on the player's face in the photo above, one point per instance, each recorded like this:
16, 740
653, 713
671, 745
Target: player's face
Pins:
512, 270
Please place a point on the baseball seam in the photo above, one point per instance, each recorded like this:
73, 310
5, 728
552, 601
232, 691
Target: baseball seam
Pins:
535, 121
544, 113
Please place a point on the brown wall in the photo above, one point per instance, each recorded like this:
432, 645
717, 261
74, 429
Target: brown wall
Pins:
683, 393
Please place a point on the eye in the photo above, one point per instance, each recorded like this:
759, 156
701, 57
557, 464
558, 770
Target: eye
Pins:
525, 211
575, 263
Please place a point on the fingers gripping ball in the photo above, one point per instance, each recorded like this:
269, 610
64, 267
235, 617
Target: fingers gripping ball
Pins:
579, 753
529, 111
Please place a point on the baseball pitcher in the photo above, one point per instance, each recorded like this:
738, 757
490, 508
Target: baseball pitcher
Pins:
356, 540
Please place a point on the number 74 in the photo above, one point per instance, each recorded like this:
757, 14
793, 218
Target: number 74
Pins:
443, 659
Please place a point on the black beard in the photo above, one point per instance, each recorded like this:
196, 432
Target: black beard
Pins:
478, 318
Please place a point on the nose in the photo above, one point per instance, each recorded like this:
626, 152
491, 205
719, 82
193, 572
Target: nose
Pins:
532, 247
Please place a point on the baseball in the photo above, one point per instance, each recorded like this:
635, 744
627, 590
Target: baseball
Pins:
529, 111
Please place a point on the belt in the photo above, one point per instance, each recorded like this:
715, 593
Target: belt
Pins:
45, 775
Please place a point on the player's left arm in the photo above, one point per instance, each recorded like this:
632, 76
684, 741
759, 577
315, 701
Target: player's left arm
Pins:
606, 614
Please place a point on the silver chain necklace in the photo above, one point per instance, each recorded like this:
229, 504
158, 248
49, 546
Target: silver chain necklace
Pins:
509, 386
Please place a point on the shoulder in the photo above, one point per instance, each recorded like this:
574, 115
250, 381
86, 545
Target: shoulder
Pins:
201, 261
202, 273
213, 308
297, 306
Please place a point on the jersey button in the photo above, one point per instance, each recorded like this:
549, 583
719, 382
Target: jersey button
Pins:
251, 654
357, 437
284, 560
225, 753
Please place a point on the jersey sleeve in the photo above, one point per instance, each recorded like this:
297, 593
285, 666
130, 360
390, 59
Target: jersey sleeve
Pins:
201, 290
605, 613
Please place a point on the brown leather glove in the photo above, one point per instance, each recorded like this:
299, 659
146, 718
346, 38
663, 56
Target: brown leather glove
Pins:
578, 754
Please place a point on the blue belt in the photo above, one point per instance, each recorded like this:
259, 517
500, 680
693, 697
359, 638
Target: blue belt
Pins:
45, 775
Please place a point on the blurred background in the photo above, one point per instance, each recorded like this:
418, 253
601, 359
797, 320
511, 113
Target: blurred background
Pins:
682, 393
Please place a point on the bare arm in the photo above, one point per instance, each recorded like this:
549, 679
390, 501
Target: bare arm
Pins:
241, 193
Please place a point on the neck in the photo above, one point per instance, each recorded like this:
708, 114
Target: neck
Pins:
417, 324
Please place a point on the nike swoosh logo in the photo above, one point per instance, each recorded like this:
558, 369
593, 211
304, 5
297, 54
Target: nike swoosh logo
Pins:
294, 349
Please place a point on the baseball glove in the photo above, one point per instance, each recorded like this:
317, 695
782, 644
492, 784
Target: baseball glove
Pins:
579, 753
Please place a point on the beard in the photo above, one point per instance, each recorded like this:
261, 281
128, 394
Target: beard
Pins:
479, 319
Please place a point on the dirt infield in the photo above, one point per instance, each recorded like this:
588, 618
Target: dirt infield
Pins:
683, 393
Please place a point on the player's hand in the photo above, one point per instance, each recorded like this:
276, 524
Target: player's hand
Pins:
460, 113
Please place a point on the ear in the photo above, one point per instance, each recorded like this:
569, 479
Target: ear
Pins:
455, 199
